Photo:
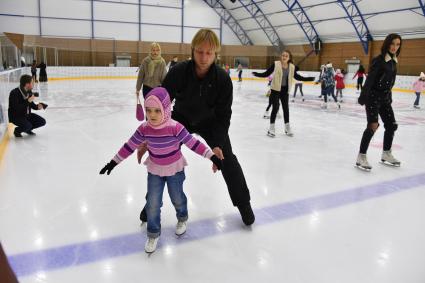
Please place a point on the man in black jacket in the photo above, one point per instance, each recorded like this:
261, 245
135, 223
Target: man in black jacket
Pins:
21, 101
203, 95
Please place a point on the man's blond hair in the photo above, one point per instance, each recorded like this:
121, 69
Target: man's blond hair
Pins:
206, 35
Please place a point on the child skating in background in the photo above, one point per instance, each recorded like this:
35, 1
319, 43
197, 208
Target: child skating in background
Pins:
418, 87
165, 163
339, 78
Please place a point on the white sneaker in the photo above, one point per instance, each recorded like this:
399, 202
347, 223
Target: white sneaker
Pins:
288, 131
150, 245
181, 228
388, 158
362, 162
271, 131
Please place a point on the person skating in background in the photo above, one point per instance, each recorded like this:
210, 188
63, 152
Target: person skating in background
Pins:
298, 85
152, 71
34, 71
322, 87
42, 77
240, 69
165, 163
418, 87
339, 78
360, 74
376, 95
173, 62
227, 69
328, 81
284, 72
267, 113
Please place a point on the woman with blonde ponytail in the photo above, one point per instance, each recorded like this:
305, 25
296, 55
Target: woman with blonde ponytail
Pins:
152, 71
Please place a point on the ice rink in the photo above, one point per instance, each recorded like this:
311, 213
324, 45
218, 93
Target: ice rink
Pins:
318, 218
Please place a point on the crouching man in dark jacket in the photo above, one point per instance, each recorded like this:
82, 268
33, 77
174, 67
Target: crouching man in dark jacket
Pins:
21, 102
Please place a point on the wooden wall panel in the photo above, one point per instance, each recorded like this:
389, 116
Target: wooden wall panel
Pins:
97, 52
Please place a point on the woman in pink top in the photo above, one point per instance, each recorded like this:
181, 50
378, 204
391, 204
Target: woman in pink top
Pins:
165, 163
418, 87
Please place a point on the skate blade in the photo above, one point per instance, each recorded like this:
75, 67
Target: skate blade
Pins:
363, 168
289, 135
271, 135
390, 164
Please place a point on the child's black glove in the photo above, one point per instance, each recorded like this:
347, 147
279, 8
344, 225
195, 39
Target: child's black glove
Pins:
217, 162
108, 167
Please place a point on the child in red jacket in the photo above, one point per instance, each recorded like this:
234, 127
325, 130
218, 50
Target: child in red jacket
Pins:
339, 77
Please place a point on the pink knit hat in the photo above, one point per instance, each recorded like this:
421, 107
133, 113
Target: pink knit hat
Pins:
159, 98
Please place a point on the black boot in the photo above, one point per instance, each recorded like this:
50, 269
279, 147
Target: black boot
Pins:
17, 134
143, 216
247, 214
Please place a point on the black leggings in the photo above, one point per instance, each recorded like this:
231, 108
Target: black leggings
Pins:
283, 96
300, 86
359, 83
270, 103
385, 111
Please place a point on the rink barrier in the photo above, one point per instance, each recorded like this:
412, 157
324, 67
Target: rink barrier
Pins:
403, 83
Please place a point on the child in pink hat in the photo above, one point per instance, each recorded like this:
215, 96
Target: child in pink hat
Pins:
165, 163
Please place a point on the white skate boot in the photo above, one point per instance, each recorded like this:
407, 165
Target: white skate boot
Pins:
151, 244
362, 162
288, 131
271, 131
388, 159
181, 228
266, 115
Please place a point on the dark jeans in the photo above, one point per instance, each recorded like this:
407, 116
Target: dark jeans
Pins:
359, 83
283, 96
156, 186
418, 96
329, 91
145, 90
231, 170
300, 86
28, 123
240, 75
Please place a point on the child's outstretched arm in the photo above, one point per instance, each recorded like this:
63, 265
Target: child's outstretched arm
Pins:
195, 145
126, 150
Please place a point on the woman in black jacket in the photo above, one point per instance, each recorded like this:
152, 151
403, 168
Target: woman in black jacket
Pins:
283, 79
376, 95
